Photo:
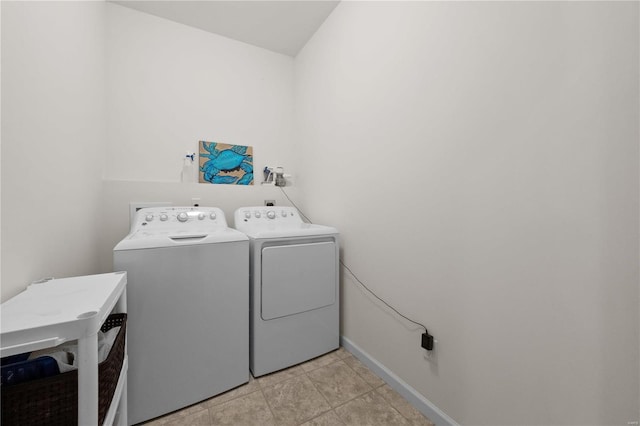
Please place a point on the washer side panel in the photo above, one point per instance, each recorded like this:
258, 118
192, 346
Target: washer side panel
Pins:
188, 324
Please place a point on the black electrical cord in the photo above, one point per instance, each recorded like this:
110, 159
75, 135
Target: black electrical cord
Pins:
377, 297
294, 205
355, 276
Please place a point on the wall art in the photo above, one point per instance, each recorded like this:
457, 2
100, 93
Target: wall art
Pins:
225, 164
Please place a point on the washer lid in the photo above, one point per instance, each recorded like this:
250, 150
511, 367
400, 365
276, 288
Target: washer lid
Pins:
144, 239
176, 226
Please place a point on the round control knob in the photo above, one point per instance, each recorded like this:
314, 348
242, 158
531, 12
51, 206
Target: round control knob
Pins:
164, 217
284, 213
183, 217
257, 214
148, 217
271, 214
247, 215
212, 216
201, 216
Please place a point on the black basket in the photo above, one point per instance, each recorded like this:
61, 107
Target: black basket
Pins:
54, 400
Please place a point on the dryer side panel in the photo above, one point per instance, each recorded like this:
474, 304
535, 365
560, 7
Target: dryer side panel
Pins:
297, 278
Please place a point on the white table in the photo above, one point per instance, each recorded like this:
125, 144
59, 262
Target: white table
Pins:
55, 311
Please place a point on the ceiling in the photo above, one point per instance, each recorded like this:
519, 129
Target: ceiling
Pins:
280, 26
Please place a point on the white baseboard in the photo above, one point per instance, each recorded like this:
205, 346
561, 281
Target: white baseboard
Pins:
421, 403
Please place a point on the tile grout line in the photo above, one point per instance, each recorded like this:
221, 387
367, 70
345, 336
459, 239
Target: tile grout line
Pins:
409, 421
362, 378
359, 375
320, 415
227, 402
320, 393
275, 422
345, 402
292, 378
261, 388
373, 389
210, 407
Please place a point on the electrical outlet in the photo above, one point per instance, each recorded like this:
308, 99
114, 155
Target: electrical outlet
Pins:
270, 202
427, 341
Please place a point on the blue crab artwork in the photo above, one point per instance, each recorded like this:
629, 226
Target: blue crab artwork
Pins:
226, 164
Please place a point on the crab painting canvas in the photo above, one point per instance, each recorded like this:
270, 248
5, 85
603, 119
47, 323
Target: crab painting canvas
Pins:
225, 164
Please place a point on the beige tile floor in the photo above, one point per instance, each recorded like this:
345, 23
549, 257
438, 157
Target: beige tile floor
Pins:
334, 389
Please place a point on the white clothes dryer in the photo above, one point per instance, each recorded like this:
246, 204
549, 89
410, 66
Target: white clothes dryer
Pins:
188, 303
294, 290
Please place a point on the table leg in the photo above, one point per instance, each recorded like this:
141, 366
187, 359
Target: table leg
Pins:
88, 380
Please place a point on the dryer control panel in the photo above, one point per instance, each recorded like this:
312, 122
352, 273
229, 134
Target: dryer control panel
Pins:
267, 216
164, 218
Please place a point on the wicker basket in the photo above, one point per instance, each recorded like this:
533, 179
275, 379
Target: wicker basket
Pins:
54, 400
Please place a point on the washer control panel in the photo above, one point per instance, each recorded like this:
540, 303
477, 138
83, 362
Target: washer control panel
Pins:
267, 216
158, 218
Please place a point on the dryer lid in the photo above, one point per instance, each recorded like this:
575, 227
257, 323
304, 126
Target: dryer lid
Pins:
303, 230
276, 222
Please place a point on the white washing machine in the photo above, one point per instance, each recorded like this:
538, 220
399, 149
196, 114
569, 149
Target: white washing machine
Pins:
294, 303
188, 303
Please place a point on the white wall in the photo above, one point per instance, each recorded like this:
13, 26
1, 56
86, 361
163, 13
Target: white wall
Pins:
167, 87
504, 138
481, 161
170, 85
53, 139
